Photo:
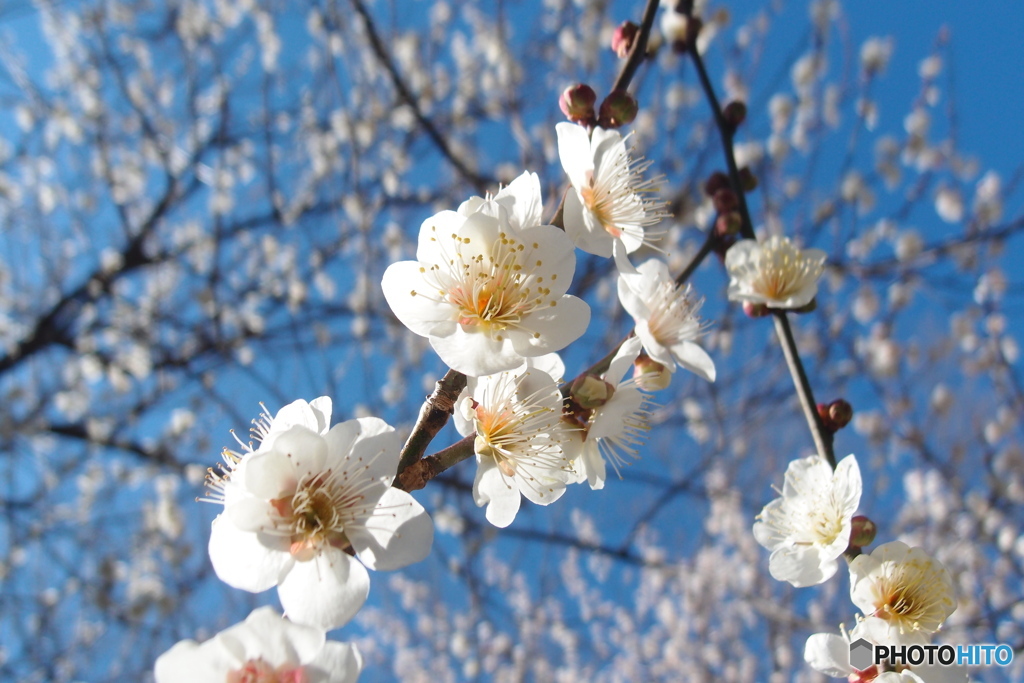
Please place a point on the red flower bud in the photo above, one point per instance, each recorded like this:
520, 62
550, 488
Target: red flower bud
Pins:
840, 413
623, 38
715, 182
725, 200
577, 103
728, 223
734, 114
755, 310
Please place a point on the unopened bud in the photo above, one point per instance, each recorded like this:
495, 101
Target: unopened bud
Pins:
755, 310
862, 531
590, 391
650, 375
728, 223
624, 37
748, 181
840, 413
735, 113
618, 109
577, 103
715, 182
725, 200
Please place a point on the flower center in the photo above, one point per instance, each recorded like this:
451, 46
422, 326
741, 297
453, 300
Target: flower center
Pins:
315, 515
911, 597
672, 317
521, 434
493, 291
259, 671
783, 270
601, 203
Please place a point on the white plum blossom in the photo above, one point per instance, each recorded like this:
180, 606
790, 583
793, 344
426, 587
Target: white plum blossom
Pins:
904, 593
488, 284
516, 418
615, 427
808, 527
609, 210
666, 318
266, 648
297, 508
774, 273
829, 653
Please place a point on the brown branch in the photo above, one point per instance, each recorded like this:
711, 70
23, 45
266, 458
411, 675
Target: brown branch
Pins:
639, 50
419, 473
433, 417
479, 182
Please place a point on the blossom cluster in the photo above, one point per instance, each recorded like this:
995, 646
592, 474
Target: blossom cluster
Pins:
488, 289
310, 507
903, 593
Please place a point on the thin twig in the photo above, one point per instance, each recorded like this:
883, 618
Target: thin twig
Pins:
822, 438
639, 50
479, 182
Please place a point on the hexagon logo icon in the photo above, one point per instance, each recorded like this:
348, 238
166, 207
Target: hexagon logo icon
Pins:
862, 654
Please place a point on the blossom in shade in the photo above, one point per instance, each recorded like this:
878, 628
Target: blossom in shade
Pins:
904, 593
666, 318
615, 428
488, 284
516, 418
265, 648
808, 527
774, 273
609, 211
304, 502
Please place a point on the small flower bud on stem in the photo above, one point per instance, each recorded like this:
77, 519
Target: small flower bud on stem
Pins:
577, 103
735, 113
862, 532
623, 38
590, 391
755, 310
835, 415
715, 182
618, 109
748, 181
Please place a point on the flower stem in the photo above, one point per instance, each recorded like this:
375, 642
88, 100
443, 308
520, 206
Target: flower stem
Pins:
639, 51
822, 438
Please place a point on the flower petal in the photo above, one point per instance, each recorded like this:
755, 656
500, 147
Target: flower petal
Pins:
266, 635
397, 534
829, 654
293, 455
574, 152
498, 492
190, 661
241, 561
692, 357
337, 663
326, 591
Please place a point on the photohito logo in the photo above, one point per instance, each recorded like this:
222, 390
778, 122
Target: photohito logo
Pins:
863, 655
